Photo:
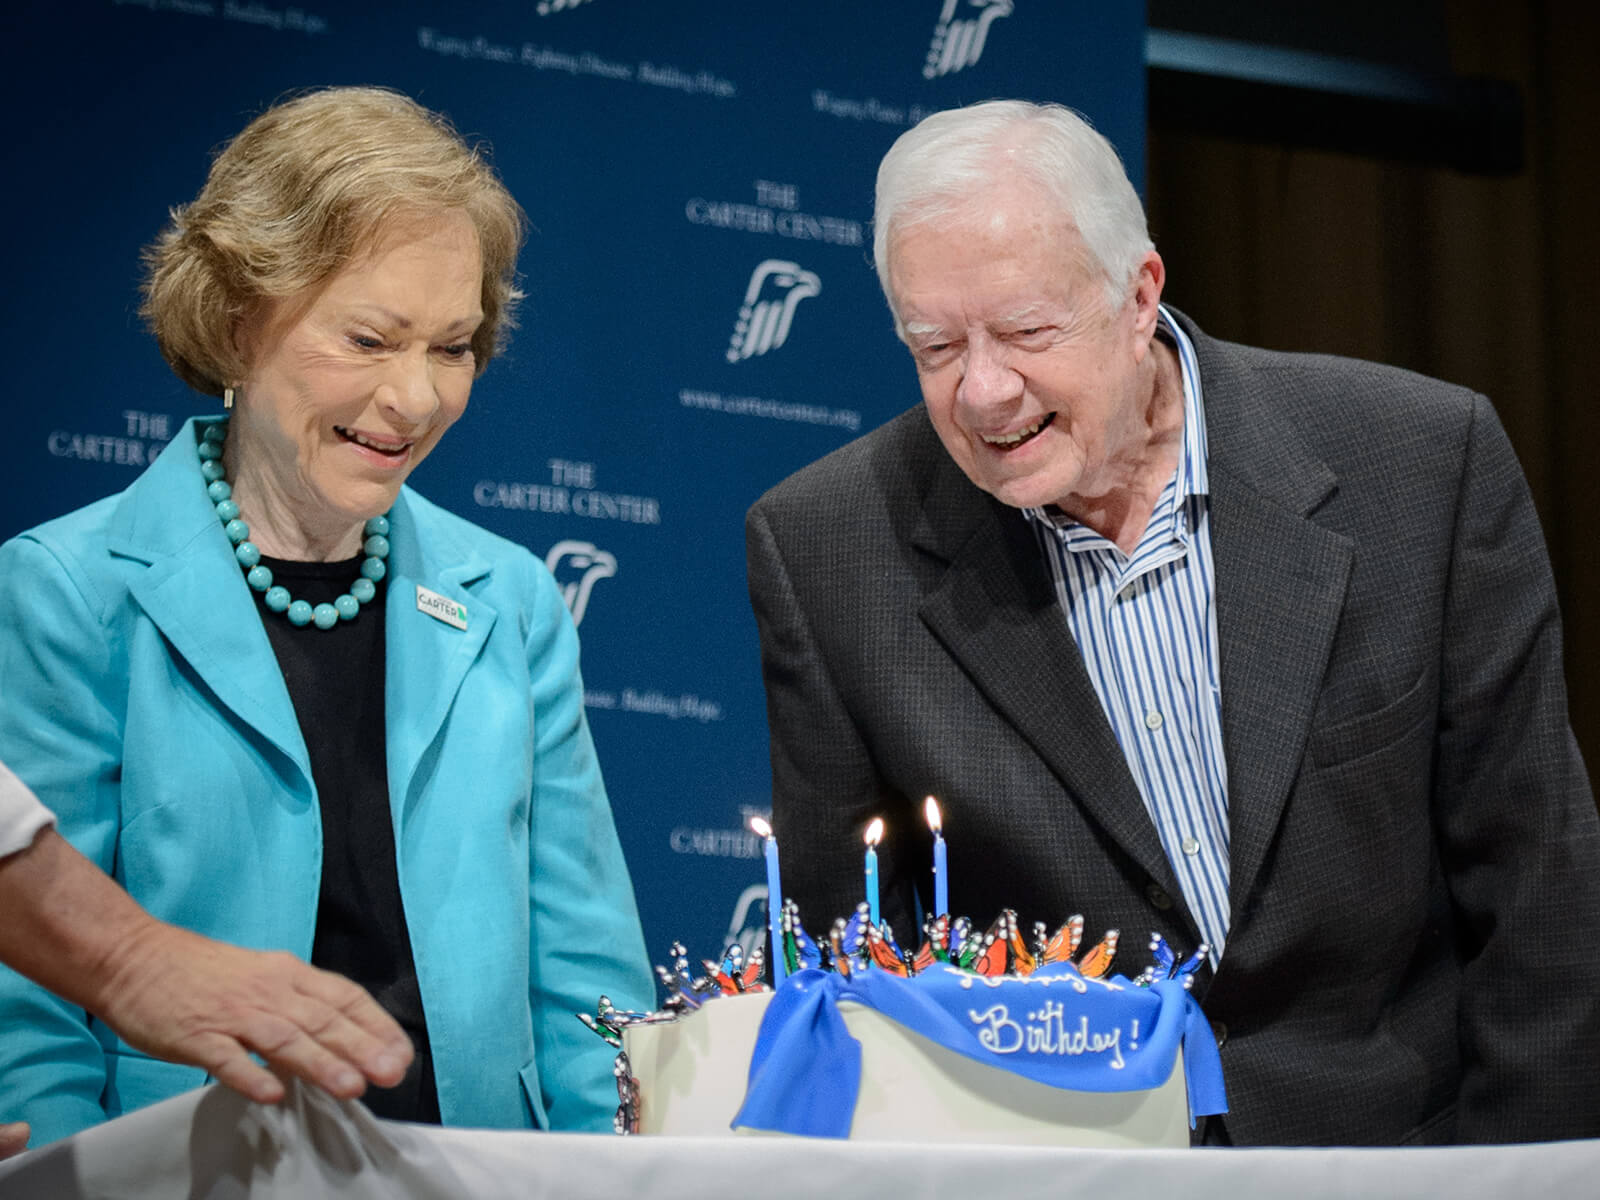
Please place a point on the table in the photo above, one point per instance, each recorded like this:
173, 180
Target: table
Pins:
215, 1145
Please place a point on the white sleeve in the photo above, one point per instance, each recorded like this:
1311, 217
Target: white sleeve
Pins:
21, 815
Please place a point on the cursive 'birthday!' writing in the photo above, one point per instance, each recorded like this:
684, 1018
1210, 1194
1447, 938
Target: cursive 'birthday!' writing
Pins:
1044, 1031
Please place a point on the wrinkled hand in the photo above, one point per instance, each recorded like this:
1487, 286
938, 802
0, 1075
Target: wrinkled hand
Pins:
13, 1139
180, 996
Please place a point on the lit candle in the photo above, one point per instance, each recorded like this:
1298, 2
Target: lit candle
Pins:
775, 970
873, 837
941, 866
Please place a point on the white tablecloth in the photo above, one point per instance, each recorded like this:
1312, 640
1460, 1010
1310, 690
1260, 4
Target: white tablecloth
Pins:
212, 1144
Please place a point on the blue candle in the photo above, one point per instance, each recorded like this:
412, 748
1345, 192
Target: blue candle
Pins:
775, 968
873, 837
941, 866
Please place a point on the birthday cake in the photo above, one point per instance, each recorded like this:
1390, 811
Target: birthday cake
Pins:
974, 1037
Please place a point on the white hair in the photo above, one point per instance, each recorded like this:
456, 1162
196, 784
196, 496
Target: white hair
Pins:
943, 167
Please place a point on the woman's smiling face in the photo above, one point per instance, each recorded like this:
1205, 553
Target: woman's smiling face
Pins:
349, 390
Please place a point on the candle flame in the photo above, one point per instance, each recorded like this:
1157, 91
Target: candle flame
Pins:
874, 833
760, 828
931, 807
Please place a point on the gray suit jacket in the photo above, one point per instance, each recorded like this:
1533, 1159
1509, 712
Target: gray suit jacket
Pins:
1414, 846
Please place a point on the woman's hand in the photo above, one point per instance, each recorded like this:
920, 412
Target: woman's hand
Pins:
180, 996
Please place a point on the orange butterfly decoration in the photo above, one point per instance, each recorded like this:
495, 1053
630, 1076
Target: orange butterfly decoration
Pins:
1064, 944
1019, 960
936, 933
733, 975
841, 960
883, 953
1097, 962
991, 960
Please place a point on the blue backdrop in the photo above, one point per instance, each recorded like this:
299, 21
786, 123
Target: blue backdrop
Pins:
702, 317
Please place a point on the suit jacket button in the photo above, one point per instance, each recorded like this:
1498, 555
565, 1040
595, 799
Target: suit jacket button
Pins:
1219, 1031
1157, 895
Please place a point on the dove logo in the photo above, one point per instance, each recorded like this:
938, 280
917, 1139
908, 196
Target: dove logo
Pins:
775, 290
958, 45
748, 927
578, 566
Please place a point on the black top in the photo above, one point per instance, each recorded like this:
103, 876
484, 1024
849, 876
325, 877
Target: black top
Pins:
336, 680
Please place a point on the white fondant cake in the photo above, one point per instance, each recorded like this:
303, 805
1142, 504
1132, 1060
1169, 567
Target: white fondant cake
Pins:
976, 1037
692, 1074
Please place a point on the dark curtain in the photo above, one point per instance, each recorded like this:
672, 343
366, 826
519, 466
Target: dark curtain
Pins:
1482, 281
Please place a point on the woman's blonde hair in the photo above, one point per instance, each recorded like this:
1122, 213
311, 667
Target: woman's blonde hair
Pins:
305, 188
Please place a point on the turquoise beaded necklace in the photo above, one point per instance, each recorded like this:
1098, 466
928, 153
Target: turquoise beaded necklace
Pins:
259, 576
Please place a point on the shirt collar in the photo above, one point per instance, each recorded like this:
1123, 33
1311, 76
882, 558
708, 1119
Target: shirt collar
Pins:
1193, 479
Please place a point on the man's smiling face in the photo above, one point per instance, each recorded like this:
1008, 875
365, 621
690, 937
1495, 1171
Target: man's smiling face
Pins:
1034, 386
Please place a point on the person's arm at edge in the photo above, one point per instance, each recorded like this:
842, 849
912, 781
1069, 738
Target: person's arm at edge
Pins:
183, 997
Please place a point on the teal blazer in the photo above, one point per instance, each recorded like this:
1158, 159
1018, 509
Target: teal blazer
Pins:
143, 703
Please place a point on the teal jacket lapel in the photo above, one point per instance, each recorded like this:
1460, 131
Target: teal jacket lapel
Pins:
428, 657
192, 591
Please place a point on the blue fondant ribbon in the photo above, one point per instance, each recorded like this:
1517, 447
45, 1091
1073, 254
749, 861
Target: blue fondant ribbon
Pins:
1054, 1027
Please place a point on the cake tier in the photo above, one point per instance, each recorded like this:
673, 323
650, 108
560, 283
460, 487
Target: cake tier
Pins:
692, 1075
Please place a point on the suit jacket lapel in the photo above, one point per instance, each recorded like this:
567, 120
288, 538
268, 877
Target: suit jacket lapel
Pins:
996, 613
1281, 580
191, 591
427, 657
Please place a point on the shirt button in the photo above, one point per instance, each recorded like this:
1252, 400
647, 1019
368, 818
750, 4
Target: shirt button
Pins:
1220, 1032
1191, 846
1157, 895
1152, 720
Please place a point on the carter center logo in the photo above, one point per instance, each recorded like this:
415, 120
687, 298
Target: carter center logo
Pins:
578, 566
776, 288
748, 927
958, 45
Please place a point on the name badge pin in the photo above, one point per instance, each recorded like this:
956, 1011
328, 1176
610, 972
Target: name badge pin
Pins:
441, 608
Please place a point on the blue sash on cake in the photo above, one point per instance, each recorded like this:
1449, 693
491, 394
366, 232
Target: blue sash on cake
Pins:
1053, 1026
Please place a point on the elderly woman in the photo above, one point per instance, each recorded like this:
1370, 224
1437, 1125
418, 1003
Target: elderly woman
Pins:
290, 704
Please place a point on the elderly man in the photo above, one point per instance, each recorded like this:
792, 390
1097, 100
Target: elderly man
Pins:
1251, 649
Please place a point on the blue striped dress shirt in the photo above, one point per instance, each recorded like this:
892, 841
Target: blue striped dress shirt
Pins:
1146, 624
